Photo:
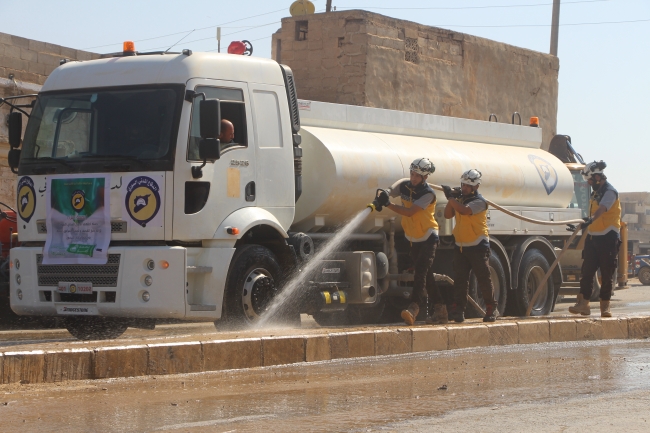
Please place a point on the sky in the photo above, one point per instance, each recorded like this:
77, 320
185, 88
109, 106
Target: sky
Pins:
604, 50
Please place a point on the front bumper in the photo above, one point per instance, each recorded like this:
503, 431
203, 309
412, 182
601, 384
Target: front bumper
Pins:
118, 287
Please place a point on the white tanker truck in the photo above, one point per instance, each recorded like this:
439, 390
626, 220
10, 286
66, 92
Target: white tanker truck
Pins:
131, 210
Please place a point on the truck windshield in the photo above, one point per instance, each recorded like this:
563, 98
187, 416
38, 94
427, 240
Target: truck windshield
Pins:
580, 197
133, 128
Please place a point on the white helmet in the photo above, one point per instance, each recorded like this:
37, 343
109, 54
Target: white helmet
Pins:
471, 177
592, 168
422, 166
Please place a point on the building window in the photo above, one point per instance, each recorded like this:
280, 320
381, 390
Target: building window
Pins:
301, 30
412, 51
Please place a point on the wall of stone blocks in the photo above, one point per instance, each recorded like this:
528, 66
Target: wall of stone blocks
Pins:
363, 58
24, 66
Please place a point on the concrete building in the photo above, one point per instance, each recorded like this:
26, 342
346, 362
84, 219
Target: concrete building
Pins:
635, 207
363, 58
24, 66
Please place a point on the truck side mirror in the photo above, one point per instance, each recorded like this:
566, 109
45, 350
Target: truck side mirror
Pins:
13, 158
15, 128
210, 130
210, 119
209, 149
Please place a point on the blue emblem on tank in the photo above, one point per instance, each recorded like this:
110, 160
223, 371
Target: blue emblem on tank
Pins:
546, 172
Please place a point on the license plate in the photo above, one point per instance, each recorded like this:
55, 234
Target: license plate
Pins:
82, 310
79, 288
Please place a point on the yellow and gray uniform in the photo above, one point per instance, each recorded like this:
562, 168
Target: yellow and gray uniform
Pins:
421, 229
606, 196
472, 230
472, 252
602, 243
420, 226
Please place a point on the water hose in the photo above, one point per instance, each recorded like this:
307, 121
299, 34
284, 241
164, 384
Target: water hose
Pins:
521, 217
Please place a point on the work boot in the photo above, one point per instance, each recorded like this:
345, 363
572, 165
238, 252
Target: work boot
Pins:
440, 315
491, 313
581, 307
604, 309
457, 314
411, 313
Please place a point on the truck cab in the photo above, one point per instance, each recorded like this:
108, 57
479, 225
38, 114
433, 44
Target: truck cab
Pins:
132, 124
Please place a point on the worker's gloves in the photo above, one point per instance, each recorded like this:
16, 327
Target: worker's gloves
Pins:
571, 228
382, 199
451, 192
586, 223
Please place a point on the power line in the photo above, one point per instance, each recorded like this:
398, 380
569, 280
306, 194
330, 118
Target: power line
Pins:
185, 31
472, 7
545, 25
213, 38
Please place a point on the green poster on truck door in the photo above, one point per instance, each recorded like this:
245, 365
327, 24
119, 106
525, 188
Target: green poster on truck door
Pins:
77, 219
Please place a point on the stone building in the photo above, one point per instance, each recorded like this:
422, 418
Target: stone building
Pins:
363, 58
24, 66
635, 208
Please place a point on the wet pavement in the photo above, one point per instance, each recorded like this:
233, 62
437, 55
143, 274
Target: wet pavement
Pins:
548, 387
632, 301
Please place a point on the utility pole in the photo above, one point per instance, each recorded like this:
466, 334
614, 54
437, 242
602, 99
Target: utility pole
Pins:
328, 7
555, 27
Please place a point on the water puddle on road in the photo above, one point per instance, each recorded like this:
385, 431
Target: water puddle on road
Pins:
341, 395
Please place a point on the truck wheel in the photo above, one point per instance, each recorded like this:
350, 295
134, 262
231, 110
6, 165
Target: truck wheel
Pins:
532, 269
95, 328
644, 276
498, 276
253, 281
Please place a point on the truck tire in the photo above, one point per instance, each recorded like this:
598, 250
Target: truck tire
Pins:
254, 279
644, 276
499, 283
95, 328
532, 269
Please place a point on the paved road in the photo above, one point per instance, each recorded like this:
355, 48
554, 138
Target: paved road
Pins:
577, 387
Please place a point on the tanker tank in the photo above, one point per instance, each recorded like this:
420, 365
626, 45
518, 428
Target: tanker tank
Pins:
351, 151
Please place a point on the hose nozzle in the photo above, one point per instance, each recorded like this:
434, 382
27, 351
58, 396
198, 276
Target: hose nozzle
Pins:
372, 207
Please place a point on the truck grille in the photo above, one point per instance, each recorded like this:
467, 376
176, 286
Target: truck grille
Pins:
117, 226
98, 275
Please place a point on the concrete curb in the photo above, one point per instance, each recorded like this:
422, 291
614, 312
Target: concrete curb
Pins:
40, 366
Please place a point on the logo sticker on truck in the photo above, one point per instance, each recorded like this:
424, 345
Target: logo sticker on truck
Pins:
546, 172
142, 201
26, 198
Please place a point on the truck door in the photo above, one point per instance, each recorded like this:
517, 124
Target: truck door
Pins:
274, 150
228, 184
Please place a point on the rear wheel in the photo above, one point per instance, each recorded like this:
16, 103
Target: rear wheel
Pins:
95, 328
644, 276
253, 283
532, 269
499, 282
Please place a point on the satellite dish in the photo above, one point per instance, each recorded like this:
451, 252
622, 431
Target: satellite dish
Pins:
302, 7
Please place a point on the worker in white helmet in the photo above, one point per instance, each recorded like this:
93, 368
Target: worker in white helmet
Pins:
603, 241
472, 250
421, 230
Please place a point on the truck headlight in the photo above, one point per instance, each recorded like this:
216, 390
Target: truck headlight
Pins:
148, 280
17, 263
146, 296
19, 293
18, 279
151, 265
